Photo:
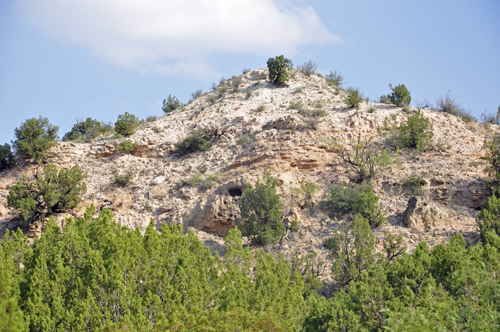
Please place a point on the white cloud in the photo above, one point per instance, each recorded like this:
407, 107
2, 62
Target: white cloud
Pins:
175, 36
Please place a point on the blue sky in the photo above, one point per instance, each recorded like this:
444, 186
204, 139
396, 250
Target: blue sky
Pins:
100, 58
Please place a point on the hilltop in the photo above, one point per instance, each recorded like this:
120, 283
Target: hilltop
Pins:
295, 131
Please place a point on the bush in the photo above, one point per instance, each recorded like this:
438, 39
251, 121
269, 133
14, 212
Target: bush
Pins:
261, 211
197, 141
222, 90
34, 138
243, 140
88, 128
126, 124
194, 95
151, 118
365, 157
493, 157
414, 184
400, 95
172, 103
125, 179
334, 79
39, 197
355, 199
236, 82
385, 100
488, 219
278, 69
449, 105
6, 157
245, 70
126, 146
416, 133
352, 251
354, 99
308, 68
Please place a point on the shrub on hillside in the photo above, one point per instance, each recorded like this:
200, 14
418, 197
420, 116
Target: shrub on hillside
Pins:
261, 211
6, 157
351, 250
414, 184
126, 124
88, 128
236, 81
170, 104
449, 105
199, 140
308, 68
488, 220
334, 79
493, 157
34, 138
400, 95
125, 147
196, 94
416, 133
355, 199
51, 192
365, 157
278, 69
354, 99
124, 179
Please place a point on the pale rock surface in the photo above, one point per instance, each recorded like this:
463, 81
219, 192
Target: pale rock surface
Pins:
423, 214
296, 148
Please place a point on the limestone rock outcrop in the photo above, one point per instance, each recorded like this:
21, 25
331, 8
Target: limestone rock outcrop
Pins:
422, 214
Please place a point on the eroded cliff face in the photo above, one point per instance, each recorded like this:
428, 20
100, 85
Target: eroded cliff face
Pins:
202, 191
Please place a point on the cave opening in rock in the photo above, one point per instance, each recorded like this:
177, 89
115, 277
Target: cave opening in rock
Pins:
235, 192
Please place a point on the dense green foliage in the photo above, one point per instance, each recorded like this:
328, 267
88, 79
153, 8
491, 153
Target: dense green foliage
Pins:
416, 133
492, 155
352, 251
88, 129
47, 193
99, 276
354, 99
400, 95
261, 211
34, 138
488, 220
450, 288
356, 199
126, 124
172, 103
278, 69
6, 157
125, 146
197, 141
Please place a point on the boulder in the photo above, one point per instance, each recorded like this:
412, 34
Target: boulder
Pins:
422, 214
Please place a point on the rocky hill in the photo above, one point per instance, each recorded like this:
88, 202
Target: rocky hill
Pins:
295, 132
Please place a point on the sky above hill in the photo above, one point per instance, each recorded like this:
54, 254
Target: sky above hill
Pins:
101, 58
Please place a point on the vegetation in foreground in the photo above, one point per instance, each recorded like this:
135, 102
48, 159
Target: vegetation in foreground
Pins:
96, 275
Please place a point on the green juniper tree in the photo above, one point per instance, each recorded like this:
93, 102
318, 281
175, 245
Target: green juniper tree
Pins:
47, 193
126, 124
34, 138
6, 157
261, 211
278, 69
